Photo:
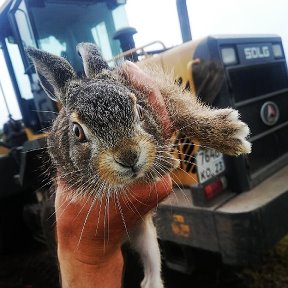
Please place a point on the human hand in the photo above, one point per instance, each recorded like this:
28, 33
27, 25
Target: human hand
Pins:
90, 231
140, 80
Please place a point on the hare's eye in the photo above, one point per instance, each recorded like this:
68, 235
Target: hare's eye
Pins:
78, 132
140, 111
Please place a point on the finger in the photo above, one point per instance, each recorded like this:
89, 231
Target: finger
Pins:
146, 197
71, 215
142, 81
140, 200
83, 225
82, 230
138, 77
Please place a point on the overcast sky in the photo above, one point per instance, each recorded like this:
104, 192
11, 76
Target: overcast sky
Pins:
157, 20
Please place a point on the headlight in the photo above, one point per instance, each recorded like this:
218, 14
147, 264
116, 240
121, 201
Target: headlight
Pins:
229, 55
277, 51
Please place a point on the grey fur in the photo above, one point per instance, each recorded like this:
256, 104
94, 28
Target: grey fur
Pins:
121, 148
57, 78
88, 51
104, 102
105, 105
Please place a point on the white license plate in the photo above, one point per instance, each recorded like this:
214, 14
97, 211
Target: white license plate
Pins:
209, 164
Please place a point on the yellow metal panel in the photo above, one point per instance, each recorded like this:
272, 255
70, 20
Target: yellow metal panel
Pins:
4, 151
32, 136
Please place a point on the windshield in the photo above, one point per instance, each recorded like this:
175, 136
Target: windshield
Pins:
58, 27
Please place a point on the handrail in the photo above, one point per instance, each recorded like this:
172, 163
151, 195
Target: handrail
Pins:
131, 51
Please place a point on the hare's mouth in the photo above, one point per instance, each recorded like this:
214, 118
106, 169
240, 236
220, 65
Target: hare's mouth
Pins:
133, 171
118, 174
126, 165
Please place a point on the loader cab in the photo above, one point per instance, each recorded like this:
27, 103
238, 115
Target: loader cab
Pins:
56, 27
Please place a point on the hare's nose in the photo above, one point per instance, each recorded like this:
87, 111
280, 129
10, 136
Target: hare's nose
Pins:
127, 158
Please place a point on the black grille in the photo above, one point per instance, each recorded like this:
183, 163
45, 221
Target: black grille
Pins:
251, 87
250, 112
267, 149
252, 81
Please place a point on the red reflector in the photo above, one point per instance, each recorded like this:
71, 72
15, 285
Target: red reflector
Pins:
212, 189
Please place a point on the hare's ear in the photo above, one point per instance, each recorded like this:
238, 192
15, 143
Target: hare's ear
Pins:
54, 72
93, 61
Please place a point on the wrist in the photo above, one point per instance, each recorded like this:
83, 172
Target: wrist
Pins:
78, 274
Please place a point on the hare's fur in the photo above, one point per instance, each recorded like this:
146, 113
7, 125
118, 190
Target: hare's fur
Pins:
119, 147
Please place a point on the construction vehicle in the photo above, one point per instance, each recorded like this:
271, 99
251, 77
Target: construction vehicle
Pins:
235, 207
